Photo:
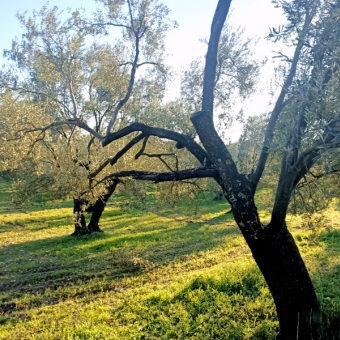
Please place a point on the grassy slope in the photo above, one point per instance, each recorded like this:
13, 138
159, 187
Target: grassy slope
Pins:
151, 275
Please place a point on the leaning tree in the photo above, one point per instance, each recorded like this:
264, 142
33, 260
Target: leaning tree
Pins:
303, 126
306, 108
64, 79
67, 77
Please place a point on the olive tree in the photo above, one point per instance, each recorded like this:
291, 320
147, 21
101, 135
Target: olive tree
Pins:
307, 106
77, 87
305, 120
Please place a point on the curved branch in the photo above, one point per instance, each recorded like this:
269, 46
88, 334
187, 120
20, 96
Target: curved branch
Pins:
310, 156
159, 156
335, 171
118, 155
127, 147
185, 140
290, 177
142, 149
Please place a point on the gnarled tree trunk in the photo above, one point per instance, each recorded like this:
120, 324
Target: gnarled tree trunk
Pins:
96, 209
280, 262
272, 246
79, 218
296, 303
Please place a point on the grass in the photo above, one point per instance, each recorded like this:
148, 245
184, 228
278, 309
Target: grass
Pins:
153, 274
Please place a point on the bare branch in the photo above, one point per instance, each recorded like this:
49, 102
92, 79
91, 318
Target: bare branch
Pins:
126, 148
185, 140
158, 177
100, 169
118, 155
110, 23
140, 152
334, 171
211, 58
147, 63
160, 157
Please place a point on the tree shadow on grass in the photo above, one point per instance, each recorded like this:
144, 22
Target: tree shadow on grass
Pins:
238, 305
329, 295
225, 306
32, 225
75, 267
326, 276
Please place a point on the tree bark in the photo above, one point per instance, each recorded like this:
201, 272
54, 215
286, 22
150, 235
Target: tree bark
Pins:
98, 207
79, 218
272, 247
284, 270
80, 206
96, 210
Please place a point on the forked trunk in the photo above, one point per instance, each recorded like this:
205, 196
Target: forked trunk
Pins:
96, 209
273, 247
283, 268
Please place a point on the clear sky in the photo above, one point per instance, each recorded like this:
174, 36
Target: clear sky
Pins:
194, 18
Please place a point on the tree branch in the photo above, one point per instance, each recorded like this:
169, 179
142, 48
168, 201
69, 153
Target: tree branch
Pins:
75, 122
134, 67
158, 177
142, 149
159, 156
334, 171
127, 147
309, 157
118, 155
185, 140
211, 58
279, 105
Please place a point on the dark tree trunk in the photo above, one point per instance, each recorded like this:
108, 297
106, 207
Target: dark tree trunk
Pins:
79, 218
98, 207
296, 303
272, 247
283, 268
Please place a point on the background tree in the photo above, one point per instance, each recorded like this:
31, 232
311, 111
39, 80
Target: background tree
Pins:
77, 84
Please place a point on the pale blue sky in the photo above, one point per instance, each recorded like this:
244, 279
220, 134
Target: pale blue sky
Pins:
194, 18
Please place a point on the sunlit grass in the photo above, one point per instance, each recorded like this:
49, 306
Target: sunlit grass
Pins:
153, 274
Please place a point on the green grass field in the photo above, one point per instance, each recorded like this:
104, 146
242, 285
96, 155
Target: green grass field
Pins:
153, 274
